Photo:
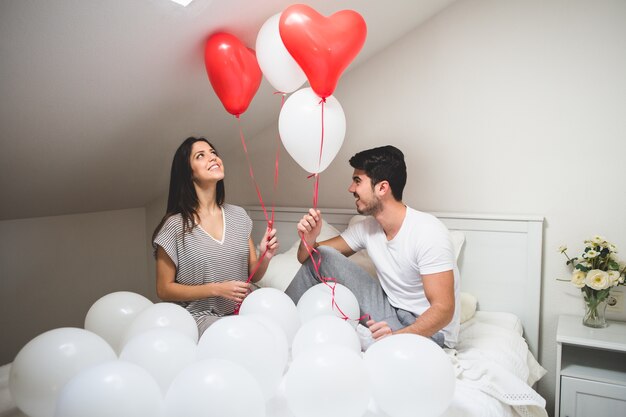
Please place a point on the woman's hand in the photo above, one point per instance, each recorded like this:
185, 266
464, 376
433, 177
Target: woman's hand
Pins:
269, 243
232, 290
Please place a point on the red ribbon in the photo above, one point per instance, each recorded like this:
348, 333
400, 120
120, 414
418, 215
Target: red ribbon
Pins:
270, 221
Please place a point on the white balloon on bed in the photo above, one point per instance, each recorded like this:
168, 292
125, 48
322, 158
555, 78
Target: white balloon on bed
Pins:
329, 381
161, 315
110, 315
214, 387
48, 361
408, 373
245, 341
275, 304
277, 64
282, 345
325, 330
116, 388
300, 128
162, 352
318, 301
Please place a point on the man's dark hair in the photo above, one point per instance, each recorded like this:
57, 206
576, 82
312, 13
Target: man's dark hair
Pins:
385, 163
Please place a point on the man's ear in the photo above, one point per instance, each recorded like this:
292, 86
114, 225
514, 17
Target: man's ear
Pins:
383, 188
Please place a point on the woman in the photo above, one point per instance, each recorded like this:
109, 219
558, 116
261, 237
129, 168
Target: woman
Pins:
203, 249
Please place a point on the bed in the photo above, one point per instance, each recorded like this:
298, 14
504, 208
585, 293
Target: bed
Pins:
499, 258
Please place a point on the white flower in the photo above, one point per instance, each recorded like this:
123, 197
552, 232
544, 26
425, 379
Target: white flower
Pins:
613, 278
585, 264
590, 254
612, 248
578, 279
597, 240
562, 248
597, 279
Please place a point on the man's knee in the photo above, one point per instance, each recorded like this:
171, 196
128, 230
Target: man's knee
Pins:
327, 251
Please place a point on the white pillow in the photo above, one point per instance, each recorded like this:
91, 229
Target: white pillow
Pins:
281, 269
328, 231
468, 306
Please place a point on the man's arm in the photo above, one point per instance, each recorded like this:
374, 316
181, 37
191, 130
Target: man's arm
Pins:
439, 290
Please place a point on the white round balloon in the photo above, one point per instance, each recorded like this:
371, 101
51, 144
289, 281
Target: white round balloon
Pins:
48, 361
214, 387
325, 330
115, 388
277, 405
110, 316
330, 381
247, 342
168, 315
282, 344
162, 352
275, 304
300, 128
318, 301
425, 371
277, 64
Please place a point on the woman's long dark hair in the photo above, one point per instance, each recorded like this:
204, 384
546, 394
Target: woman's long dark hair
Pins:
182, 197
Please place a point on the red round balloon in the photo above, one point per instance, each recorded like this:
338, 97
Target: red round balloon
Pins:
233, 71
322, 46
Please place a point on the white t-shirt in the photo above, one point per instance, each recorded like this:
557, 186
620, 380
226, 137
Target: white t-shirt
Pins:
422, 246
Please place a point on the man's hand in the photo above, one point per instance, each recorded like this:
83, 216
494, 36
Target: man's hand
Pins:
310, 226
379, 329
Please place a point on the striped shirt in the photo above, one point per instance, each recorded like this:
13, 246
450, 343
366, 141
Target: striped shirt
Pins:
201, 259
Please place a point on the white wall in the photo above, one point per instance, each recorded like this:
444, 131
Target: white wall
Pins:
154, 213
55, 268
500, 107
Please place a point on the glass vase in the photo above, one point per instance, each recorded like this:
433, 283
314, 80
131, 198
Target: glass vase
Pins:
595, 314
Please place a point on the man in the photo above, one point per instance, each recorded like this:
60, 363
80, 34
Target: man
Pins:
418, 285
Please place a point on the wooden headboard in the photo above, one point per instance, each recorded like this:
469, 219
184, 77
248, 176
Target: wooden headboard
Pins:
500, 263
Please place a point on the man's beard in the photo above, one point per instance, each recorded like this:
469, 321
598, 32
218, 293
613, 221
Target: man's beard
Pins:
372, 208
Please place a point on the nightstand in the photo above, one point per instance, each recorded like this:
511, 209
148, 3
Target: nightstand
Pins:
590, 369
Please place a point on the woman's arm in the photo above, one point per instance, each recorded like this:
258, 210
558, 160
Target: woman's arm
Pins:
170, 290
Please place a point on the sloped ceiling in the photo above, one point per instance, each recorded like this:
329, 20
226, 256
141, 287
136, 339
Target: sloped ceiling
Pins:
97, 94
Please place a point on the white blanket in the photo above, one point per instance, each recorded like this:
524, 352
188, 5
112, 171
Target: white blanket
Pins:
494, 374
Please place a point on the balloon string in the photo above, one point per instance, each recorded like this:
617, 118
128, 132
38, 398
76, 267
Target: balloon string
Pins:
256, 268
256, 186
270, 222
319, 161
314, 254
276, 160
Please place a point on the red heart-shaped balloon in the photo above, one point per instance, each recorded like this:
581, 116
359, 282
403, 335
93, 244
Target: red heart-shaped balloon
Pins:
322, 46
233, 71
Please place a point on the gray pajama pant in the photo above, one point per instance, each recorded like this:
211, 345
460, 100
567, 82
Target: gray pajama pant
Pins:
372, 299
